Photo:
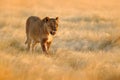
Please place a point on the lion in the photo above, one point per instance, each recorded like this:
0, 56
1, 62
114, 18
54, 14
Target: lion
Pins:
40, 31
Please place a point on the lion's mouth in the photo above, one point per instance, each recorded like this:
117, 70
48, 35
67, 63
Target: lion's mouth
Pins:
52, 32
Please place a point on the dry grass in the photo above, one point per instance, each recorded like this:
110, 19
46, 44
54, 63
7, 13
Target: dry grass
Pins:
86, 47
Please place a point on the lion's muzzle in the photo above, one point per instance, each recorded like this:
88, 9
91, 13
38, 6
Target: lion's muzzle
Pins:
52, 32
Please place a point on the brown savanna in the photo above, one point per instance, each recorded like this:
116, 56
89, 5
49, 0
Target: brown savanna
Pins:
40, 31
85, 47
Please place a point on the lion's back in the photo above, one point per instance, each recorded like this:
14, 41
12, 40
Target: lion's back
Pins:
32, 23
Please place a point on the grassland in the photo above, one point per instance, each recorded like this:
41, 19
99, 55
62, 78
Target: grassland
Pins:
86, 47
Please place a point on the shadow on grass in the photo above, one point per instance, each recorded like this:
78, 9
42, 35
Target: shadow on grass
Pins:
21, 47
17, 45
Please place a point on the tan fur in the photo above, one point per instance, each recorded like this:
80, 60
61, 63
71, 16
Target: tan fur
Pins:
40, 31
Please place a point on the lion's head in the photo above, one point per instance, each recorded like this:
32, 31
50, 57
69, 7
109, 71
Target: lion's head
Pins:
52, 25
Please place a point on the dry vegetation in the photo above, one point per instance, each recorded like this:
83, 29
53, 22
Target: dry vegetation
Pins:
86, 47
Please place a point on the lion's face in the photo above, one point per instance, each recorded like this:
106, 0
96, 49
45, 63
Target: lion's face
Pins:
52, 25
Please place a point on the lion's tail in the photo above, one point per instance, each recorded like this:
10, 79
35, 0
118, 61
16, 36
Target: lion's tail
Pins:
27, 29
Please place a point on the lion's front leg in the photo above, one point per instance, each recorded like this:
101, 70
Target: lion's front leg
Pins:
44, 45
48, 45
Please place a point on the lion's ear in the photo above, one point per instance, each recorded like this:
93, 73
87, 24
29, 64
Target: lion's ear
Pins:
46, 19
57, 18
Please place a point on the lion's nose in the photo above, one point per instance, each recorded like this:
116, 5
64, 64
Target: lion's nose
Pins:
53, 32
55, 29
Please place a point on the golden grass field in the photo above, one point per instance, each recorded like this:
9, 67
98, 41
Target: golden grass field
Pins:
86, 46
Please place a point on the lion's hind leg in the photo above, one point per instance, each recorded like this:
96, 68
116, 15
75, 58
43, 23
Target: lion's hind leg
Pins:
33, 45
28, 44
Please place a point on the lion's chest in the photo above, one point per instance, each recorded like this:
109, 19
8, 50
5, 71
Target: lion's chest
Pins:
50, 38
